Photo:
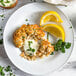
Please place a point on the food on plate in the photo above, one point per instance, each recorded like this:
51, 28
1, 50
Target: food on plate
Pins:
8, 3
55, 30
50, 16
55, 27
61, 46
30, 39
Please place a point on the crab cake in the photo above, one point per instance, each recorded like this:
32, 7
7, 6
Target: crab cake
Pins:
30, 39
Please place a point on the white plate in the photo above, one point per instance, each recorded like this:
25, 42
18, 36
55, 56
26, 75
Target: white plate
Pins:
61, 2
33, 12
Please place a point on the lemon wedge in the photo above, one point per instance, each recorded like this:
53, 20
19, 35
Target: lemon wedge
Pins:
50, 16
55, 30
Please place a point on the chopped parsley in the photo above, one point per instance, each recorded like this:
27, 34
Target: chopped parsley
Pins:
2, 15
52, 53
70, 26
30, 49
70, 19
2, 3
2, 19
1, 0
7, 1
26, 19
62, 49
30, 54
68, 45
0, 29
65, 5
1, 71
1, 41
48, 35
29, 42
1, 34
23, 37
33, 50
6, 69
27, 23
61, 46
11, 74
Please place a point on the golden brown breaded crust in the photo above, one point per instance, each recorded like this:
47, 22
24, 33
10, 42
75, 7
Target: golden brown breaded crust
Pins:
32, 31
19, 36
12, 6
45, 48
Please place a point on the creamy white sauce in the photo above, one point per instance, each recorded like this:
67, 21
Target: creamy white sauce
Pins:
8, 4
34, 45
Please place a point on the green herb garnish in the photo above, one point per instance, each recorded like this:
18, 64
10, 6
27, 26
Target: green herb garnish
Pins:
62, 49
60, 45
1, 71
8, 68
2, 3
27, 23
1, 0
30, 49
23, 37
0, 29
52, 53
29, 42
7, 1
68, 45
70, 26
48, 35
65, 5
33, 50
26, 19
1, 41
56, 47
1, 34
70, 19
2, 19
11, 74
2, 15
30, 54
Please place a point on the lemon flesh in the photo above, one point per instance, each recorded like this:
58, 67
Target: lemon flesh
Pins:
50, 16
55, 30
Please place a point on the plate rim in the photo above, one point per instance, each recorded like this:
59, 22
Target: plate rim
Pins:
66, 18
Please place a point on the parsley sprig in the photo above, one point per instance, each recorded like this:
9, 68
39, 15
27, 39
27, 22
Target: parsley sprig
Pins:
30, 49
1, 1
2, 15
60, 45
48, 35
6, 69
1, 71
7, 1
